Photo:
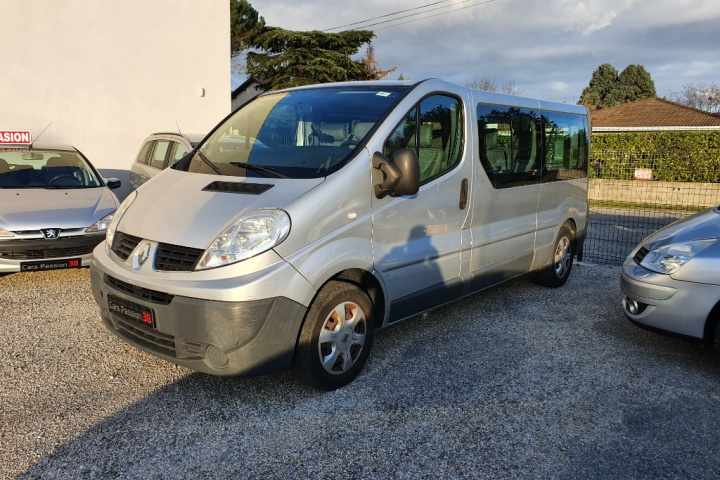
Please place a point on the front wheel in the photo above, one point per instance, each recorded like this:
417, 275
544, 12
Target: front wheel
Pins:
556, 274
336, 337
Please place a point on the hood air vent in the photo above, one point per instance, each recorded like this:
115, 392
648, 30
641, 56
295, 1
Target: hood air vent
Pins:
238, 187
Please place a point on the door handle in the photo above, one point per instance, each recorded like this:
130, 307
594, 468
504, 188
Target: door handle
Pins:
463, 194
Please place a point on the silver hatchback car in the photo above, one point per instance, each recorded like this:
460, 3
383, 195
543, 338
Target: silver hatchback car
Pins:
671, 281
54, 208
159, 151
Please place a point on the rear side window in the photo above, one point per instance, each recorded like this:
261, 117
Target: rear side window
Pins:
437, 137
566, 146
144, 155
157, 159
509, 145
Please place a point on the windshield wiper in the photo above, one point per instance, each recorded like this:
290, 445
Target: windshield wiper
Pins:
208, 162
258, 168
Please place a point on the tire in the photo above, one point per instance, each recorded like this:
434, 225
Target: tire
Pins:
556, 274
336, 337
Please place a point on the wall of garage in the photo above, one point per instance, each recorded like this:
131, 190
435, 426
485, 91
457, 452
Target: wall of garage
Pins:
106, 73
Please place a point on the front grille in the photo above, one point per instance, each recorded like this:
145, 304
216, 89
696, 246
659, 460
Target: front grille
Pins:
149, 338
34, 253
124, 244
140, 292
174, 258
640, 255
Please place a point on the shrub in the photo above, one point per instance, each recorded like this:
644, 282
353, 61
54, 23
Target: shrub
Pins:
677, 156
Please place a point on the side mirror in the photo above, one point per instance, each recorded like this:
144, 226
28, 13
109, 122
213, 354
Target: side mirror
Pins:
401, 175
113, 183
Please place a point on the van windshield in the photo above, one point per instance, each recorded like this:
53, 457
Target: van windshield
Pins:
297, 134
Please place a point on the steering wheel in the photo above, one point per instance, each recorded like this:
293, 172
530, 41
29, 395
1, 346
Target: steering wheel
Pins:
349, 143
73, 181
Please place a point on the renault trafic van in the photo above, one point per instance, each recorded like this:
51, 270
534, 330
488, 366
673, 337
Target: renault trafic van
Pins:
311, 217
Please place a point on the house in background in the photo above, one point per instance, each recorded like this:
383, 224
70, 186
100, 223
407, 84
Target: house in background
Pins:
105, 74
250, 88
652, 115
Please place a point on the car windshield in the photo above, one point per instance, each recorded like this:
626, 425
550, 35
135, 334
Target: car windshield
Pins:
297, 134
25, 168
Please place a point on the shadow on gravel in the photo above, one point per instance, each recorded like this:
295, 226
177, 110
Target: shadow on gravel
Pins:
489, 387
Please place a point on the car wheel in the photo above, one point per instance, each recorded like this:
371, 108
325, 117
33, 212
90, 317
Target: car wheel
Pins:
556, 274
336, 337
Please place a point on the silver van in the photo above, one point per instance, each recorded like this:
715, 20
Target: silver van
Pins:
311, 217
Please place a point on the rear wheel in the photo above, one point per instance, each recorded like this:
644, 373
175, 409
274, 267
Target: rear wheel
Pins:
556, 274
336, 337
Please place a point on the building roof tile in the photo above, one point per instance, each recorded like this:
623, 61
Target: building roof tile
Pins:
653, 114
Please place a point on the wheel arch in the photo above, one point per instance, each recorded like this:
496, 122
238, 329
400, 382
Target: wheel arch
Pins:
372, 287
572, 226
711, 325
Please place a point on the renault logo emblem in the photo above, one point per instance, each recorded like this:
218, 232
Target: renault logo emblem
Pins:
141, 254
50, 233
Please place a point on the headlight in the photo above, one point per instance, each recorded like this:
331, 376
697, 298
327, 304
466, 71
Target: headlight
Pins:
101, 225
250, 235
5, 233
117, 216
670, 258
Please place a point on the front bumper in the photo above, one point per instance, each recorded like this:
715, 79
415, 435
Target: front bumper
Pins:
666, 304
217, 337
25, 255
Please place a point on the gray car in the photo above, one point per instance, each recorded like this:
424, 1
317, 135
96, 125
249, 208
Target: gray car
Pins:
54, 208
159, 151
671, 281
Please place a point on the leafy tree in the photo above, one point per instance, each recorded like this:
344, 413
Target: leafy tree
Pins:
372, 67
701, 96
602, 82
490, 85
635, 82
607, 88
285, 58
245, 24
289, 58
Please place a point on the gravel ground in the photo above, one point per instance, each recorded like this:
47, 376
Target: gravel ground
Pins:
516, 382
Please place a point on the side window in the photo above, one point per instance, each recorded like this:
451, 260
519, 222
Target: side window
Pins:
179, 151
437, 137
144, 155
157, 158
509, 145
403, 136
566, 146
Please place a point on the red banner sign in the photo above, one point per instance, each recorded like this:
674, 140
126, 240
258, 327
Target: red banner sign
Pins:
15, 137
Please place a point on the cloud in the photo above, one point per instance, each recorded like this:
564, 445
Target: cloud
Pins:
548, 47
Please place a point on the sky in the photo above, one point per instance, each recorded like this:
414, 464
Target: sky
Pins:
548, 48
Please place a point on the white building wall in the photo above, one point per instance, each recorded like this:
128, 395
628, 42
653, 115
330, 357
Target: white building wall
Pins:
106, 73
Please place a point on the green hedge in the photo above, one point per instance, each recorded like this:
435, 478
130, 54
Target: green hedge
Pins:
673, 156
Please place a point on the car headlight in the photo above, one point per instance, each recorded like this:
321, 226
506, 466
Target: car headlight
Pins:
670, 258
117, 216
5, 233
101, 225
250, 235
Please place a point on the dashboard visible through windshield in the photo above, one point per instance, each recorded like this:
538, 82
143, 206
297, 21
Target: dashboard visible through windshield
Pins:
296, 134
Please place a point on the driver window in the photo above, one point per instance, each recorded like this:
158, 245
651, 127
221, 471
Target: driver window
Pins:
437, 137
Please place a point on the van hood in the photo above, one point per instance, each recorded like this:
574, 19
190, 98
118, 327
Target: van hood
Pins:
191, 209
36, 208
